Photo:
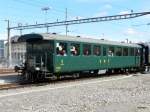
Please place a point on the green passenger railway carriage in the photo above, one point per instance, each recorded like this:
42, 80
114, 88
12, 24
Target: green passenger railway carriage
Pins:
52, 55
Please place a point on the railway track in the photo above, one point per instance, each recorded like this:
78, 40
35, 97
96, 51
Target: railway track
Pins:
9, 86
6, 71
43, 83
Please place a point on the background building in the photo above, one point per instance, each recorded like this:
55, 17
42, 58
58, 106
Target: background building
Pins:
3, 62
1, 49
18, 51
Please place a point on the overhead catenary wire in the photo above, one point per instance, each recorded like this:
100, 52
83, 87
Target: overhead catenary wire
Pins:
81, 21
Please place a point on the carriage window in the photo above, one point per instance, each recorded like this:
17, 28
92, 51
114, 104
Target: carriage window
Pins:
132, 52
111, 51
104, 51
75, 49
61, 49
118, 51
97, 50
86, 49
125, 51
137, 52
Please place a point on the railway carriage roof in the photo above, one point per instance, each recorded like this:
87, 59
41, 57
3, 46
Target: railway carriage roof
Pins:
34, 37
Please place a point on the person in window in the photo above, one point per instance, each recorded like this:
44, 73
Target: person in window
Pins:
97, 53
64, 53
110, 53
73, 51
86, 52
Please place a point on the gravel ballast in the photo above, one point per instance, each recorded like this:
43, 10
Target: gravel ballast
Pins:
130, 94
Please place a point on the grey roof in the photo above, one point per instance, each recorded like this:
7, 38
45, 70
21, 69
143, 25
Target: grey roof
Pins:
47, 36
14, 38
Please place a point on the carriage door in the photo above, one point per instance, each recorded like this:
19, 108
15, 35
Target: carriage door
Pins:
48, 51
146, 55
137, 56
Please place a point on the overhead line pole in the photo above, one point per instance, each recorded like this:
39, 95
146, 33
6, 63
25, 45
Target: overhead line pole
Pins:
8, 43
81, 21
66, 21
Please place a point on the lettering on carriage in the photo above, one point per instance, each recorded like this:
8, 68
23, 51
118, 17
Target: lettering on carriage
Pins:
100, 61
58, 68
62, 62
104, 61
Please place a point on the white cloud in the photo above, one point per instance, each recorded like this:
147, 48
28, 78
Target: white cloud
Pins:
125, 12
3, 36
103, 11
135, 35
100, 14
82, 35
147, 17
76, 17
108, 6
131, 31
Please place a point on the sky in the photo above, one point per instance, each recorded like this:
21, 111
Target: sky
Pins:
30, 12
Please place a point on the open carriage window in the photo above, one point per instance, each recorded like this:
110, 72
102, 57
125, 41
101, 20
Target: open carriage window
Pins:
97, 50
125, 51
111, 51
61, 49
75, 49
86, 49
132, 53
118, 51
137, 51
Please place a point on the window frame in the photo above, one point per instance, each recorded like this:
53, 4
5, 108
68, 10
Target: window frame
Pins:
74, 44
112, 49
95, 46
124, 52
89, 49
66, 48
104, 47
118, 51
132, 51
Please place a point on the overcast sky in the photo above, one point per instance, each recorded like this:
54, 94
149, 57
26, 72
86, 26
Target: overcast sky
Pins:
29, 12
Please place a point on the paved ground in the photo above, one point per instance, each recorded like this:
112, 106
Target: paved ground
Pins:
107, 94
